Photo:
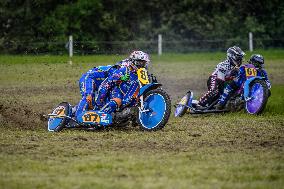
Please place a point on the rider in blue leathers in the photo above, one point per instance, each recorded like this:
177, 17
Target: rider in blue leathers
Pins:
253, 68
123, 85
89, 84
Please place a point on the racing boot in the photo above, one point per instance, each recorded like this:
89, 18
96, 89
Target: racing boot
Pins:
219, 106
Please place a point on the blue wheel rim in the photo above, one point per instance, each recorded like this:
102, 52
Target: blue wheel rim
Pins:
254, 104
156, 105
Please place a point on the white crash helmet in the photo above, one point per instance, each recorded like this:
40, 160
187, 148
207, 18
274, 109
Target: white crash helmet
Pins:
235, 55
140, 59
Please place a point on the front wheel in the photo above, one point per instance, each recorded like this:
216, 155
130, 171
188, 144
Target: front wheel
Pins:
157, 110
259, 95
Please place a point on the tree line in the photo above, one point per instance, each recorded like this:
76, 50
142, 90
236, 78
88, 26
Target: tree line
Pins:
26, 22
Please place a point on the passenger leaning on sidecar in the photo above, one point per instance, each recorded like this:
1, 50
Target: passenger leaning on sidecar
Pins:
122, 85
90, 82
256, 62
216, 81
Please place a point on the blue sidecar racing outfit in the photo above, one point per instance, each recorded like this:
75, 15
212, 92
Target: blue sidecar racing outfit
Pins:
119, 90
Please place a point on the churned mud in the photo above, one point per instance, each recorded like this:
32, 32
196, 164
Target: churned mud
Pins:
19, 115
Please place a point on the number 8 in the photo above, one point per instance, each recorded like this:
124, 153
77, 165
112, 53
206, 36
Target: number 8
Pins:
143, 74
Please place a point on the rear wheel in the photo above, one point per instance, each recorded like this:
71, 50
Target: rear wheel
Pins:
259, 96
157, 110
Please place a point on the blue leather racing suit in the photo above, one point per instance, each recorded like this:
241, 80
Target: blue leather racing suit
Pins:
118, 91
89, 84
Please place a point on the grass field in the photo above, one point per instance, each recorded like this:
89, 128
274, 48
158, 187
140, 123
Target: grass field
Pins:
234, 150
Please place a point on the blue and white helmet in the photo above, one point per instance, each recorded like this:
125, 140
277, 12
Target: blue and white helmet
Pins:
139, 59
235, 55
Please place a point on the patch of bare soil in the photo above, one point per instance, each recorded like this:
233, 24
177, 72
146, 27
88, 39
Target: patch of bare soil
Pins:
177, 88
16, 113
19, 115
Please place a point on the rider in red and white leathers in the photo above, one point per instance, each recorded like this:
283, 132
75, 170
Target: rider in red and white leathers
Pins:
222, 71
256, 63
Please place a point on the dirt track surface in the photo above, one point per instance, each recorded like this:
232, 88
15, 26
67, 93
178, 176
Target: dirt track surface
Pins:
228, 147
24, 107
25, 100
20, 115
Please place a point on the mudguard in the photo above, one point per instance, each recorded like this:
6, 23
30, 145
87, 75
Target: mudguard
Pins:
94, 118
246, 86
148, 87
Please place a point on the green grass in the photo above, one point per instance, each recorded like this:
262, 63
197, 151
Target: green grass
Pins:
276, 54
234, 150
276, 101
189, 153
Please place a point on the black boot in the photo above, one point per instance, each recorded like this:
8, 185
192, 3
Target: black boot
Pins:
219, 106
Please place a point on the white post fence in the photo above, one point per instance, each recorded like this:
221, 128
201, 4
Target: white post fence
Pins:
160, 47
250, 42
159, 44
70, 47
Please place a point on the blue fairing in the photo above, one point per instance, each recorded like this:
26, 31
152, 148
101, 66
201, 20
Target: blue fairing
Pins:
104, 118
148, 87
53, 123
247, 83
59, 116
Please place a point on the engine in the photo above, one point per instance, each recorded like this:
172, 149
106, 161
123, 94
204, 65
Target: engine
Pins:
122, 118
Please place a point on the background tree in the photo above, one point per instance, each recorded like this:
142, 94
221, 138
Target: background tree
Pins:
42, 25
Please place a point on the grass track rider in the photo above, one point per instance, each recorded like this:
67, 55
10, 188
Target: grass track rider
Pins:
251, 96
151, 111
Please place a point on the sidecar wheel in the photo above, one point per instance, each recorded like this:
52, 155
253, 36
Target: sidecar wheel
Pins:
157, 105
181, 108
57, 124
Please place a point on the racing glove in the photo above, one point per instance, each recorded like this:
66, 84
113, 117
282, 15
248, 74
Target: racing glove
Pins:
90, 103
125, 77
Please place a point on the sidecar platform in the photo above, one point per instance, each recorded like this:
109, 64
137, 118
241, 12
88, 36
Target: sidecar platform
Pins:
195, 111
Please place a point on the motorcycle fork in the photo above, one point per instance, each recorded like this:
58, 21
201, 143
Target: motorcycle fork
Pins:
141, 108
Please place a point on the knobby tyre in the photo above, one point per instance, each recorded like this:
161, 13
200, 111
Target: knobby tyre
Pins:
159, 104
260, 93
